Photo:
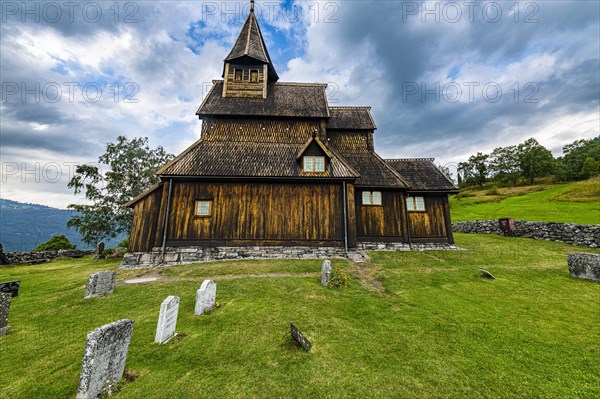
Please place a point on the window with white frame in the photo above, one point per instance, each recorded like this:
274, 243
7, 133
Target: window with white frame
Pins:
371, 197
314, 163
415, 204
203, 208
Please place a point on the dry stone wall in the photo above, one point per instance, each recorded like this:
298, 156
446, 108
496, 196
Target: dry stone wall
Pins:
29, 258
587, 235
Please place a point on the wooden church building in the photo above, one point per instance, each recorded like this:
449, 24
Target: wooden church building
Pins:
277, 166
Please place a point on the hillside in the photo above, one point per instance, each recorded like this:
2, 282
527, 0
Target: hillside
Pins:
577, 202
24, 226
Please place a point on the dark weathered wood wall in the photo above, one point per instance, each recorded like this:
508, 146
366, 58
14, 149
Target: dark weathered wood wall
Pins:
261, 213
385, 222
145, 227
431, 224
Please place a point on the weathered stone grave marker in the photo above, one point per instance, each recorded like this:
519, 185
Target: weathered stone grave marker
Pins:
10, 287
104, 357
585, 266
99, 253
301, 339
167, 319
100, 284
325, 272
487, 274
4, 310
205, 297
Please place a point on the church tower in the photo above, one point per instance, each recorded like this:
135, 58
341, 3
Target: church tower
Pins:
248, 69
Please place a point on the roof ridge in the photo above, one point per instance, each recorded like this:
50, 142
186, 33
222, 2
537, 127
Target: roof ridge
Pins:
409, 159
350, 107
300, 84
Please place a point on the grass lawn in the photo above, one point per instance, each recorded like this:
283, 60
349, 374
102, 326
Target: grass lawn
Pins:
433, 329
577, 202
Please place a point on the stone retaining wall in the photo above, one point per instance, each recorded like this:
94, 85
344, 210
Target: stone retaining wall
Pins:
587, 235
29, 258
585, 266
186, 255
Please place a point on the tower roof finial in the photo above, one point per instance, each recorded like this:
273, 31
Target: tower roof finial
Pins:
251, 5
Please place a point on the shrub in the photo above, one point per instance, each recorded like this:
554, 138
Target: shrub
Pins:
493, 191
338, 278
55, 243
124, 243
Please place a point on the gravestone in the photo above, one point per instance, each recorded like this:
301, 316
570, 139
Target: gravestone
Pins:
10, 287
585, 266
487, 274
167, 319
205, 297
104, 358
100, 284
325, 272
301, 339
4, 310
99, 253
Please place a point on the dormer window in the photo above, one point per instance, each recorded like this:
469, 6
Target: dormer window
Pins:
238, 73
314, 163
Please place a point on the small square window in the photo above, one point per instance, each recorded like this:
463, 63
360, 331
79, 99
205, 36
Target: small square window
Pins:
254, 75
203, 208
314, 164
415, 204
371, 197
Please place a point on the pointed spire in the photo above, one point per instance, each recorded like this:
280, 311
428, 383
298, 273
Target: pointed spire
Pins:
250, 43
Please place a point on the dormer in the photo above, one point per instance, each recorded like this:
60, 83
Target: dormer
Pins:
314, 157
248, 69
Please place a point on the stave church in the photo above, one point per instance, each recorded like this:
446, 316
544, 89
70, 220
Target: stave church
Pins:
276, 166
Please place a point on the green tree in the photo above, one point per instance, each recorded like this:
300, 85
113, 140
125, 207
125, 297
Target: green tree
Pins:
475, 170
55, 243
590, 168
504, 164
130, 170
535, 160
570, 165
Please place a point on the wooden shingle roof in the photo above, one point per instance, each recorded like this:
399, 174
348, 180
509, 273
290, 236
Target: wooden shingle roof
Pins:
351, 118
250, 43
207, 158
374, 171
422, 174
297, 100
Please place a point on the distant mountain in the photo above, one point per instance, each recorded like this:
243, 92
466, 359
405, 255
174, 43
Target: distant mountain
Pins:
24, 226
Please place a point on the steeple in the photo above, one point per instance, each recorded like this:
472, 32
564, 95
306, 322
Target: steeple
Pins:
248, 62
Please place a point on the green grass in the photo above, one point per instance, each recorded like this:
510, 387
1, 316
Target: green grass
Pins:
577, 202
438, 330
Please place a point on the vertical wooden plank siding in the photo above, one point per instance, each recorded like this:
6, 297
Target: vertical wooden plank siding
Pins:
145, 222
257, 212
380, 222
432, 222
351, 215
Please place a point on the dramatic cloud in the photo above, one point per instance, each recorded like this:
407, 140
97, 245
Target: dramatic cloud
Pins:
445, 79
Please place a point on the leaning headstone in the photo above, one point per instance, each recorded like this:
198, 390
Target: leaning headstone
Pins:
487, 274
301, 339
325, 272
10, 287
205, 297
4, 309
104, 358
99, 253
100, 284
585, 266
167, 319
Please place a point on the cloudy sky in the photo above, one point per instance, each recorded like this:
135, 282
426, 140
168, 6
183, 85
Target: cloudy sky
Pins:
445, 79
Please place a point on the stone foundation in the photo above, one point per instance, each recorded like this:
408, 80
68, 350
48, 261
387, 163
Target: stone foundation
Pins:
587, 235
585, 266
29, 258
186, 255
